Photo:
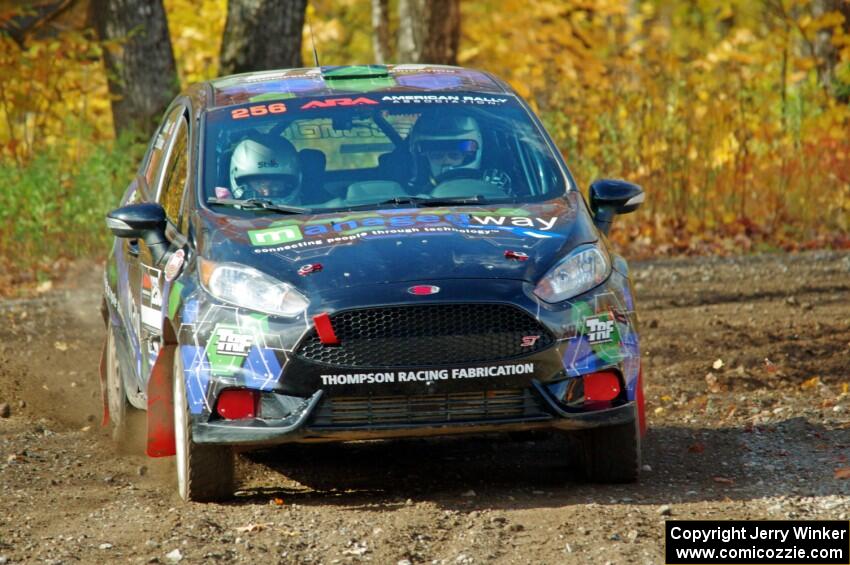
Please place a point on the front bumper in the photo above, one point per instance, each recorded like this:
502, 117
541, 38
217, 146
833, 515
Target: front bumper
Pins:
305, 424
272, 363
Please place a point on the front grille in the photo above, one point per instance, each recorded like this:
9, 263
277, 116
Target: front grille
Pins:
461, 407
426, 335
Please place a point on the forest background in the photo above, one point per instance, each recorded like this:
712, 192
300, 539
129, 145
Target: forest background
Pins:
732, 114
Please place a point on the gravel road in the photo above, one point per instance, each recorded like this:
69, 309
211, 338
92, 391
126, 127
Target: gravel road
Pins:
747, 366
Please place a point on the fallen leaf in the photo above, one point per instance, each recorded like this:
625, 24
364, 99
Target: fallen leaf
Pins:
842, 473
770, 365
810, 383
60, 345
43, 287
713, 384
696, 447
717, 364
278, 501
723, 480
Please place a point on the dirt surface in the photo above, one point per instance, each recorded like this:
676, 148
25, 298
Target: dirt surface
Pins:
747, 364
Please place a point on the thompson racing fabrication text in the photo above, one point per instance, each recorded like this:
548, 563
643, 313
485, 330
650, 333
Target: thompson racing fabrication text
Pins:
427, 375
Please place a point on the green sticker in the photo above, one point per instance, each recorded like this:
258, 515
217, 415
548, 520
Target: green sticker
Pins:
227, 349
275, 235
174, 299
603, 335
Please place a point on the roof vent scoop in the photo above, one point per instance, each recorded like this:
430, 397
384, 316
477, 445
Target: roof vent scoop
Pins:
354, 72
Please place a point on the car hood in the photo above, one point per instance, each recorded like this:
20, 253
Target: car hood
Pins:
399, 245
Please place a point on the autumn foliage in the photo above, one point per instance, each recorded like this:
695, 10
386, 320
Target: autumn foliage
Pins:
733, 114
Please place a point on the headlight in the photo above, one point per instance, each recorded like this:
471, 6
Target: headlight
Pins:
578, 272
249, 288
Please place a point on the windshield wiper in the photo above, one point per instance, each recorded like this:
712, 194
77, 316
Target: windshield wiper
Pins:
477, 199
422, 201
258, 204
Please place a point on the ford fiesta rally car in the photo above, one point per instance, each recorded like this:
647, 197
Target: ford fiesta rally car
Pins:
350, 253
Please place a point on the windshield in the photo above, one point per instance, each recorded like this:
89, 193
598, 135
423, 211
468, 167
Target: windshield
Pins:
377, 149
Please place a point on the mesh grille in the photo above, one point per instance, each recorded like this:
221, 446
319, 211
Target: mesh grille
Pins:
426, 335
482, 406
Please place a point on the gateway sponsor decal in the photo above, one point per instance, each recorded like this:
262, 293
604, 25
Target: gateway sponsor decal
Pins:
427, 376
356, 226
275, 236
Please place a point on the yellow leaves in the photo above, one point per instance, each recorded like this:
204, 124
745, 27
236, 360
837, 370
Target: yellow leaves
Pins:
725, 151
196, 28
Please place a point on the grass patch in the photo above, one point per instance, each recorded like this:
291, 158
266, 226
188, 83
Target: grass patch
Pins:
53, 207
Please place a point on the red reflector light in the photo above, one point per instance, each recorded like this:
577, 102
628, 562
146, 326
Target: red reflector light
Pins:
325, 329
601, 387
238, 404
423, 290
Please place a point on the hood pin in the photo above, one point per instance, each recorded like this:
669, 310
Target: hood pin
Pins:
305, 270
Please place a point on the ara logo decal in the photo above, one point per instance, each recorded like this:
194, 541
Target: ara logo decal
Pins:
599, 329
275, 236
332, 102
529, 340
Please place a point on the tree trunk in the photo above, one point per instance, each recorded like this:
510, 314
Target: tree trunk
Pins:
429, 31
826, 53
262, 34
381, 30
139, 61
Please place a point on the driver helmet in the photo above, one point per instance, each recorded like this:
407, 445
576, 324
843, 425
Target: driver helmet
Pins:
446, 142
265, 168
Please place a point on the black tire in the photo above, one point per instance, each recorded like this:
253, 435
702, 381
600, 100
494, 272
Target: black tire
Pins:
610, 454
116, 396
205, 473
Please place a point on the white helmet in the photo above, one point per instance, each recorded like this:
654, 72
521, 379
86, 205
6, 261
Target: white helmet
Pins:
448, 142
266, 168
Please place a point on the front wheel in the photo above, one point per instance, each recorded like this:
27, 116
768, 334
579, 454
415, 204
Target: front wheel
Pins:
116, 396
205, 473
610, 454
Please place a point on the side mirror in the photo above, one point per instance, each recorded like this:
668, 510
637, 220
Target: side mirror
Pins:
144, 221
609, 197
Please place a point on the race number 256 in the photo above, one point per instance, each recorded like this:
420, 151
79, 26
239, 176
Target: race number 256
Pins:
259, 110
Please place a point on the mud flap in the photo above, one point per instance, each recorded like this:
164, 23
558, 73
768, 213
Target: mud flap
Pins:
161, 406
105, 421
641, 408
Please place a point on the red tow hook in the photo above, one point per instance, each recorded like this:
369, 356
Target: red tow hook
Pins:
325, 329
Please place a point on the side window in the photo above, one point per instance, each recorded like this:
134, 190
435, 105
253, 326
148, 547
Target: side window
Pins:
159, 145
176, 173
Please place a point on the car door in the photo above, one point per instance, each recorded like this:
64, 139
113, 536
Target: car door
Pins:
127, 253
169, 192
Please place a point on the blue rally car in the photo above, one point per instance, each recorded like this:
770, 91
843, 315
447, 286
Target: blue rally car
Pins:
365, 252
